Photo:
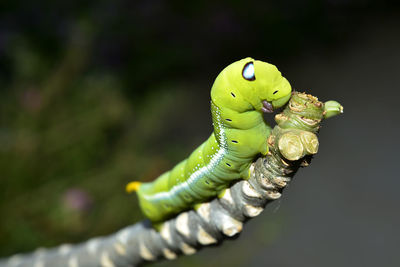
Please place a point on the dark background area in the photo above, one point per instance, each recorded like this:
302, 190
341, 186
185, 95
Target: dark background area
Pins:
94, 94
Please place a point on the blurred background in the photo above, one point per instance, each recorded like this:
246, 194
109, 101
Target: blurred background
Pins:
94, 94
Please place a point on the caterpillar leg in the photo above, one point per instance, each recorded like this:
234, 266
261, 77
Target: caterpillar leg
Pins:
221, 193
265, 149
132, 187
246, 173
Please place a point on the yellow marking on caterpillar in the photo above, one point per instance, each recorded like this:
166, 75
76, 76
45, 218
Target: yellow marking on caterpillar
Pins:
132, 187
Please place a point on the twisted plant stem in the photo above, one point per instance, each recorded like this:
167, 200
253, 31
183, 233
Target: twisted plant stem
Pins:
292, 143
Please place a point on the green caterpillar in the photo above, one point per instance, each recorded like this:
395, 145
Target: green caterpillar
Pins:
240, 95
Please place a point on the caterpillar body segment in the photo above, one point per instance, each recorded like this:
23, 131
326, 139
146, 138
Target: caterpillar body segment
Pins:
241, 93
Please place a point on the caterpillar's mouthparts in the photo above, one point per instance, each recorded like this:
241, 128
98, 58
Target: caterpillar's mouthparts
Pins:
267, 107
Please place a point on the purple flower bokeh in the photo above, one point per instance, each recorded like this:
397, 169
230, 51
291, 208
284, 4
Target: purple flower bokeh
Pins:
78, 200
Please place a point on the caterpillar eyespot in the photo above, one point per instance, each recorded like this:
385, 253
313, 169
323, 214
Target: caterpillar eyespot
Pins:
206, 172
248, 72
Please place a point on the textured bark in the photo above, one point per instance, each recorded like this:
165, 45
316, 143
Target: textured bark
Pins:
292, 143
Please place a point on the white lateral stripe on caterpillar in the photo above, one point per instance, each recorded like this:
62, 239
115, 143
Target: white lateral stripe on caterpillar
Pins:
215, 160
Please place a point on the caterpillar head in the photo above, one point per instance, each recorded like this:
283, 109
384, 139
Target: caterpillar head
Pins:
253, 84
